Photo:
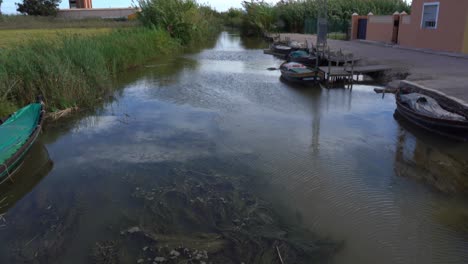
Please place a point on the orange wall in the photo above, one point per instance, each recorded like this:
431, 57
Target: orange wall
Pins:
465, 45
354, 26
380, 28
450, 32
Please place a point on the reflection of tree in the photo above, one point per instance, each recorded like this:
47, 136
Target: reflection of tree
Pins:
418, 160
35, 166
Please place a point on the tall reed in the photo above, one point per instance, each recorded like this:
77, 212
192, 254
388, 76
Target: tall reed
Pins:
75, 70
290, 16
185, 20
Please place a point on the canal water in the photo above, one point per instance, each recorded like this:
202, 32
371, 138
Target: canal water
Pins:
211, 158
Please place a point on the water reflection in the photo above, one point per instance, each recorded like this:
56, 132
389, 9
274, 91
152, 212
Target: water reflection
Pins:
211, 153
35, 166
419, 159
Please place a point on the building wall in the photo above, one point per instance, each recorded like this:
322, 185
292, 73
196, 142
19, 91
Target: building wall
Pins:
81, 3
465, 44
82, 13
380, 28
449, 34
354, 26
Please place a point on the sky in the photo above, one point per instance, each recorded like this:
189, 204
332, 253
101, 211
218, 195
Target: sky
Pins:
9, 7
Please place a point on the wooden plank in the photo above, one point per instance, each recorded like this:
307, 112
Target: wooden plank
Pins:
371, 68
335, 71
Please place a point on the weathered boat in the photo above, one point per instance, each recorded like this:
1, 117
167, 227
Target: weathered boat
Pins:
433, 112
18, 132
281, 49
299, 73
302, 57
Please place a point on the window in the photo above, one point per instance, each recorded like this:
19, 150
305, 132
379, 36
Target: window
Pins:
430, 15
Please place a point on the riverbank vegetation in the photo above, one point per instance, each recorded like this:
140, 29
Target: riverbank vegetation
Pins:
76, 69
258, 17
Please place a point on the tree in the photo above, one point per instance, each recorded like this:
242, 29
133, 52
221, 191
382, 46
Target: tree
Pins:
1, 7
39, 7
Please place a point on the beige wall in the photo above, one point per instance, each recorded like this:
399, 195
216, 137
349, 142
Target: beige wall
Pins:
96, 13
449, 34
380, 28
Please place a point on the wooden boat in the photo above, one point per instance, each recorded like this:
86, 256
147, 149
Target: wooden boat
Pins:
453, 124
299, 73
281, 49
302, 57
18, 132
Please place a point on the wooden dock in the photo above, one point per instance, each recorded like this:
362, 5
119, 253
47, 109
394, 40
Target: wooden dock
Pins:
371, 69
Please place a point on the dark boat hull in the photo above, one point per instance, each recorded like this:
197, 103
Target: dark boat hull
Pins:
302, 79
12, 164
445, 127
305, 61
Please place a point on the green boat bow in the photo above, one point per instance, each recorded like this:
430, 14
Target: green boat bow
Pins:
17, 134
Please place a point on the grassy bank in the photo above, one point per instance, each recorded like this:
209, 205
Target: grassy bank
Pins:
75, 70
37, 22
13, 37
75, 66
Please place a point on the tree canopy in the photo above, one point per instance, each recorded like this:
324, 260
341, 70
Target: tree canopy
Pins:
38, 7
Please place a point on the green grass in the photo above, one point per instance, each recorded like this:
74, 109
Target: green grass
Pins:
12, 37
35, 22
73, 69
337, 36
73, 62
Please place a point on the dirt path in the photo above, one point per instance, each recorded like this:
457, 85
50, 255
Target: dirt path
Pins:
441, 72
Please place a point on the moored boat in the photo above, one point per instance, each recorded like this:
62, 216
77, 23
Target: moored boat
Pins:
18, 132
299, 73
433, 111
281, 49
302, 57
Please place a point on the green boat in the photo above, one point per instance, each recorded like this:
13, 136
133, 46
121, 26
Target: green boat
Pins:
18, 132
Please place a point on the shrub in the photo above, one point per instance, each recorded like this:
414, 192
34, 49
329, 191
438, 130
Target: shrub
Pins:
183, 19
39, 7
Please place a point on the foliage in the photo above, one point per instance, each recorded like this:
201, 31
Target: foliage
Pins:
71, 70
291, 15
185, 20
39, 7
260, 17
233, 17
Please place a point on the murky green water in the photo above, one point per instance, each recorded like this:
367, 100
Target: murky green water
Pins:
213, 156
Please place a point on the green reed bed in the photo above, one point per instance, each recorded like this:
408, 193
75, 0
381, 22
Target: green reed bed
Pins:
75, 70
72, 68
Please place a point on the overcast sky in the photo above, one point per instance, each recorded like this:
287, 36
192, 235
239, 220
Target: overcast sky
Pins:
9, 6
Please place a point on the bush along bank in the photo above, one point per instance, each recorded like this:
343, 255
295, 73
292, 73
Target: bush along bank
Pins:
77, 70
259, 17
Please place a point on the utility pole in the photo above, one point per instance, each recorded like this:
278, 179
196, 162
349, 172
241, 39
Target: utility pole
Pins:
322, 22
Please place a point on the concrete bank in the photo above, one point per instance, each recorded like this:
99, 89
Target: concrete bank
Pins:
442, 72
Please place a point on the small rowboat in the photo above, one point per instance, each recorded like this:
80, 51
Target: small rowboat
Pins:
299, 73
433, 112
281, 49
18, 132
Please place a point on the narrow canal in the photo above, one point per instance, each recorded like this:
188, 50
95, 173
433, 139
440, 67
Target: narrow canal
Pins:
210, 158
